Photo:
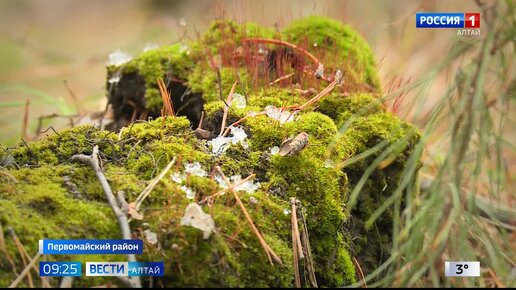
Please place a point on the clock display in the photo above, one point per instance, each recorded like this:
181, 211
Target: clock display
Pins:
60, 269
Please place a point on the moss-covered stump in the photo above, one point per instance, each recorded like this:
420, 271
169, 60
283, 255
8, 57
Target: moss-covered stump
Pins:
43, 194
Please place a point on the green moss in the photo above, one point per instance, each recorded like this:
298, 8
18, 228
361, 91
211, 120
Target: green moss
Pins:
277, 97
319, 191
223, 34
339, 47
58, 148
204, 80
341, 108
158, 128
155, 64
39, 207
153, 157
265, 133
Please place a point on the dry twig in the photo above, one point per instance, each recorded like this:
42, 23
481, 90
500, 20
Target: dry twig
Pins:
93, 161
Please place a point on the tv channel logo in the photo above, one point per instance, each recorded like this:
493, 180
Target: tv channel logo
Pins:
447, 20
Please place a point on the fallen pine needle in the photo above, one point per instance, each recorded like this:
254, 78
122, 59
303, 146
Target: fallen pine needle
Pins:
360, 271
297, 249
281, 79
268, 251
165, 96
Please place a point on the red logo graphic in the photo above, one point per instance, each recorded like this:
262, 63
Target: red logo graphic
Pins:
472, 20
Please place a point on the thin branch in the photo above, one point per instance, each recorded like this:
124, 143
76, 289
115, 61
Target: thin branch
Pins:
200, 121
93, 161
295, 227
268, 251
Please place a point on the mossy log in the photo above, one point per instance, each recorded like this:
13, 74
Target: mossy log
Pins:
43, 194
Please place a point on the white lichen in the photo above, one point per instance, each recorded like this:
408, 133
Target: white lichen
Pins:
177, 177
190, 194
115, 78
274, 150
220, 144
118, 58
249, 186
195, 168
239, 101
